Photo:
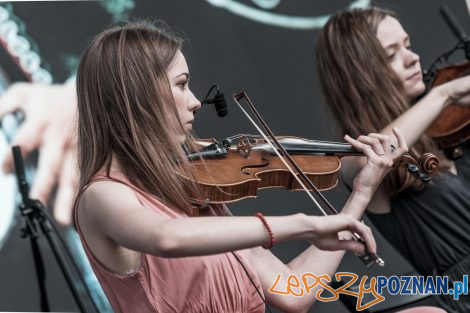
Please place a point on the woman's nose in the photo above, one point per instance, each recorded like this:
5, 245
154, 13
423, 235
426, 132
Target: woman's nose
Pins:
411, 58
194, 103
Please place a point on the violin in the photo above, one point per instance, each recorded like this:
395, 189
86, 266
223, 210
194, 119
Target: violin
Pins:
452, 127
235, 168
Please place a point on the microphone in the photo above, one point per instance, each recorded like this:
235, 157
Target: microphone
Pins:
219, 101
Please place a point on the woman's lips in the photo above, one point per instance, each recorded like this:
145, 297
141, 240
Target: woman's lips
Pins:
416, 76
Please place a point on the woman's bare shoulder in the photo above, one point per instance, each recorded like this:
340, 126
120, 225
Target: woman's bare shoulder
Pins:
102, 198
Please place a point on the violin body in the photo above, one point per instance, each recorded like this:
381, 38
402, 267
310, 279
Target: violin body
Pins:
452, 126
258, 169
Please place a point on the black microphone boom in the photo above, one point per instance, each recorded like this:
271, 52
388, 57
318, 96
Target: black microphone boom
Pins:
219, 101
456, 28
452, 22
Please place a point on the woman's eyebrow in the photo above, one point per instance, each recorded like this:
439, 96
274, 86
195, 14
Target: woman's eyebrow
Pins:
182, 74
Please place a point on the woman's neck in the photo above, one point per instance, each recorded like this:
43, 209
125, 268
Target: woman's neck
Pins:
115, 164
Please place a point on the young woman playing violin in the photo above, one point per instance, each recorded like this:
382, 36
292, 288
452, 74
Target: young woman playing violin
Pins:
371, 79
149, 251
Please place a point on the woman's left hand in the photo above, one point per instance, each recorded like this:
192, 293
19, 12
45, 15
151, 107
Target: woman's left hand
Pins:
381, 157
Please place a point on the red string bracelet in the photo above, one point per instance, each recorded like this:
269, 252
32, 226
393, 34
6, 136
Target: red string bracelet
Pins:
270, 244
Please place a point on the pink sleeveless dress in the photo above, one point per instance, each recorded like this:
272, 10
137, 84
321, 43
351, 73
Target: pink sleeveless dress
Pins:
215, 283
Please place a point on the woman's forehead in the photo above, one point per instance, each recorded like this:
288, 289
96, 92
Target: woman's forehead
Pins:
178, 65
390, 32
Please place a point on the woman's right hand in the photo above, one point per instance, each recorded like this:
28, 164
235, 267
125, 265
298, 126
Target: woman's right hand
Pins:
326, 229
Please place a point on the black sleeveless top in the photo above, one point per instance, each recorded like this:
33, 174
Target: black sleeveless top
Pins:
431, 227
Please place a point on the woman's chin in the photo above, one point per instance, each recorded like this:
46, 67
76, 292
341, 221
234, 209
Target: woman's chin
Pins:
416, 91
181, 138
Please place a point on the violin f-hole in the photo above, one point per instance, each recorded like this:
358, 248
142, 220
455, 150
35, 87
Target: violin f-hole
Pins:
245, 167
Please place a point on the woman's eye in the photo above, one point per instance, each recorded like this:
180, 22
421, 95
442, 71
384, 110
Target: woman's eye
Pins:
391, 56
183, 84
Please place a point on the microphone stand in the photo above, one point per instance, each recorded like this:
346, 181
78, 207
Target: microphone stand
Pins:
35, 219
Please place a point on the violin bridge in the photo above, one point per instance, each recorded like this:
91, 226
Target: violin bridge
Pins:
244, 147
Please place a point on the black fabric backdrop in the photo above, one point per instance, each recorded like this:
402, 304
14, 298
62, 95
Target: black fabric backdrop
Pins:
274, 65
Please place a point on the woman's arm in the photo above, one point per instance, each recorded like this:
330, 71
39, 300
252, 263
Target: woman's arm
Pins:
380, 203
414, 122
118, 228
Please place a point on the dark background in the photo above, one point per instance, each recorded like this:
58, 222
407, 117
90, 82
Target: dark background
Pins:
274, 65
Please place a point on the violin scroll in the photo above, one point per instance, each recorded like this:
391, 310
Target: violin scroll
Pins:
423, 169
429, 164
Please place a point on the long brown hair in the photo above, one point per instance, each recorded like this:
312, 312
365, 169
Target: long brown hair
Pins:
359, 85
126, 110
